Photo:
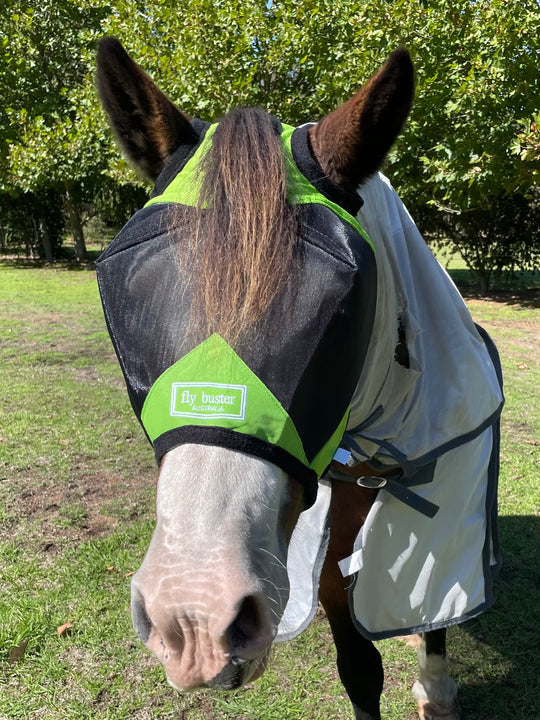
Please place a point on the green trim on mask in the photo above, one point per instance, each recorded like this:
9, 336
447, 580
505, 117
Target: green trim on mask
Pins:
186, 186
324, 457
301, 192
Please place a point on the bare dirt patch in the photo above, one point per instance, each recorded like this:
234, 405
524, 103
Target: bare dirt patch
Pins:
51, 515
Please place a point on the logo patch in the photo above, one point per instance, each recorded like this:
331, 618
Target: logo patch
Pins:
208, 400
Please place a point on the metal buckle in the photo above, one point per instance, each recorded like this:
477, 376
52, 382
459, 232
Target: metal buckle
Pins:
371, 482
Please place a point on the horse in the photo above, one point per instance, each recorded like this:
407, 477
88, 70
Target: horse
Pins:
213, 587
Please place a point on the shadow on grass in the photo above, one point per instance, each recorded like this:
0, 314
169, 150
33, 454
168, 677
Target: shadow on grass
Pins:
529, 298
506, 638
63, 263
521, 288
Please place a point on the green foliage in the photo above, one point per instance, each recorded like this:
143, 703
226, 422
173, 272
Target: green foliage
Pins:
115, 202
46, 57
504, 235
34, 221
470, 147
52, 134
527, 146
478, 83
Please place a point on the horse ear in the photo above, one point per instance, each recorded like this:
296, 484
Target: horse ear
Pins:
147, 124
351, 142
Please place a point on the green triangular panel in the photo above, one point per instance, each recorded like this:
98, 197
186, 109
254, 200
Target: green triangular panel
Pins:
212, 386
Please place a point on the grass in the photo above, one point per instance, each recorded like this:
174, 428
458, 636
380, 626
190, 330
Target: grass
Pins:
76, 510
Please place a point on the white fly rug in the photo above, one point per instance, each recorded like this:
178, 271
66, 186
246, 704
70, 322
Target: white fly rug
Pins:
409, 572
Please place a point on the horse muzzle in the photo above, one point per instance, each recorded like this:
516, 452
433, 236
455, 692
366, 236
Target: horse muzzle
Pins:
195, 655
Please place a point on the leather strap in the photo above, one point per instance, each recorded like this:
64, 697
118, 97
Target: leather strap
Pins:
363, 475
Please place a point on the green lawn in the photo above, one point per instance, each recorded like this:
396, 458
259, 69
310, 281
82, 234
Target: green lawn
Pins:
76, 507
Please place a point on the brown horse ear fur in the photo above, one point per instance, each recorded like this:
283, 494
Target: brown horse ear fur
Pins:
351, 142
147, 124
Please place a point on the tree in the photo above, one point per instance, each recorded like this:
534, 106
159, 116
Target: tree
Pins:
469, 152
459, 165
477, 90
53, 138
34, 221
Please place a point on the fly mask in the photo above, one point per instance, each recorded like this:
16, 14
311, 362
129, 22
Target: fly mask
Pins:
282, 392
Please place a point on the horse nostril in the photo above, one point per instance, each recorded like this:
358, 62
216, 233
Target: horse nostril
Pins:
139, 617
249, 634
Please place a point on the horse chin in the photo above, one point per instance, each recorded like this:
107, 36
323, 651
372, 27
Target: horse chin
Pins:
235, 673
259, 665
238, 672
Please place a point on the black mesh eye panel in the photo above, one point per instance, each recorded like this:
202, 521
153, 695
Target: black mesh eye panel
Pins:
308, 349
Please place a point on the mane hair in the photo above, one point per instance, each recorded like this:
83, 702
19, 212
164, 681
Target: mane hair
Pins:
242, 245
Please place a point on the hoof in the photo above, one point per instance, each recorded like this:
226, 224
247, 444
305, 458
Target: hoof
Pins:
434, 711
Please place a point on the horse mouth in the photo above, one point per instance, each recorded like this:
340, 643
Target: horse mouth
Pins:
238, 672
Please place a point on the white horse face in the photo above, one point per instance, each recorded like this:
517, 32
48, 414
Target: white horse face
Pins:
209, 595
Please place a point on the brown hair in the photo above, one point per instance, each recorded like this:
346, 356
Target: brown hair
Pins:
241, 247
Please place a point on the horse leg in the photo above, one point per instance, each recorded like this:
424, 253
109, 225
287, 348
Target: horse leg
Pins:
359, 662
435, 691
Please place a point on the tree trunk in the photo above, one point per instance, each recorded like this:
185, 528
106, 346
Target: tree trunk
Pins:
76, 225
46, 242
40, 235
484, 277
